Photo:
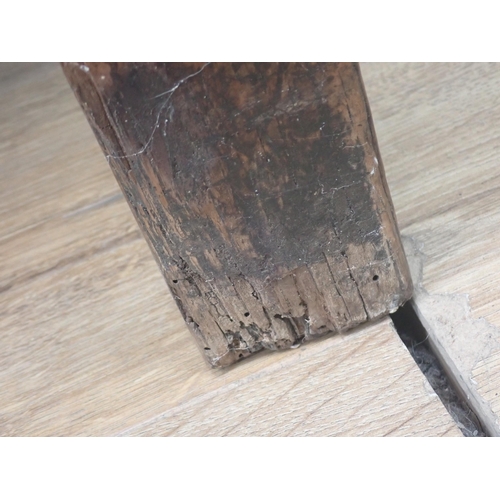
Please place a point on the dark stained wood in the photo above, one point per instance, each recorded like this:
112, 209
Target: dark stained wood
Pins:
260, 190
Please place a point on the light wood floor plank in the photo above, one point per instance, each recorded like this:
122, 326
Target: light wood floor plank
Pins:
93, 344
439, 128
332, 388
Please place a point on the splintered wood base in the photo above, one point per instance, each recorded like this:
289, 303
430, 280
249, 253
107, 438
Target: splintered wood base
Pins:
260, 190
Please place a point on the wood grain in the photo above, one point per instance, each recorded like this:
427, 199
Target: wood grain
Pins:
260, 190
336, 390
439, 130
91, 346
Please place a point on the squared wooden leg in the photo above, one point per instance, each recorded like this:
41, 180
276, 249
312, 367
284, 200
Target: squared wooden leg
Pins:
260, 190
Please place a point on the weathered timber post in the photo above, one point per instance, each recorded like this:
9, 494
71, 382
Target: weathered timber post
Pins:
260, 190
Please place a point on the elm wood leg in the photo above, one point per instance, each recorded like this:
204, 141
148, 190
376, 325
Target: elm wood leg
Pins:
260, 190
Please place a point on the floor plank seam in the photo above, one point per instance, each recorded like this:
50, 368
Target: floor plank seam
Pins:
415, 337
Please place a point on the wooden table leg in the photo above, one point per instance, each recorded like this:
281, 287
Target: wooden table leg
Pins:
260, 190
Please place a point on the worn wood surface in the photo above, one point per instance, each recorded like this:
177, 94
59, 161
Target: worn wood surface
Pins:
260, 190
91, 343
439, 128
